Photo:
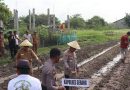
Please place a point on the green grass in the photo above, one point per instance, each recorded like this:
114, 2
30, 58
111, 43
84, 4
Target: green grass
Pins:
5, 60
93, 36
85, 37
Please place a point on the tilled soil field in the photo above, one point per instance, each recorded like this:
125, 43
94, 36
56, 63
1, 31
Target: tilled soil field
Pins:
118, 79
88, 68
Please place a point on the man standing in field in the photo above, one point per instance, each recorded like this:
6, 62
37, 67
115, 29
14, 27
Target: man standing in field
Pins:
26, 53
124, 46
70, 62
27, 36
35, 40
49, 71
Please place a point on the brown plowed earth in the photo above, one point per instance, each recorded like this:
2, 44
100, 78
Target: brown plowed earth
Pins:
118, 79
86, 52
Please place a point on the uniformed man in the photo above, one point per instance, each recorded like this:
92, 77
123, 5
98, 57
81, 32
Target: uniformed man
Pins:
49, 71
35, 40
26, 53
70, 62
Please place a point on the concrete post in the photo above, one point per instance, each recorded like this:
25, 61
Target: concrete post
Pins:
17, 22
30, 22
33, 20
48, 13
54, 24
14, 19
68, 22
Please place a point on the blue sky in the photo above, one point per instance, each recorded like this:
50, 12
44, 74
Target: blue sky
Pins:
110, 10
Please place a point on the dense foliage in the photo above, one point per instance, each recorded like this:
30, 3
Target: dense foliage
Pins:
5, 13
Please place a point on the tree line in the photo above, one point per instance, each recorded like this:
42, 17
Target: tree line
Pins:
76, 21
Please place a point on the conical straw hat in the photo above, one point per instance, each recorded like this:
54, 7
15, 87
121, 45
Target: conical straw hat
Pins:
74, 44
26, 43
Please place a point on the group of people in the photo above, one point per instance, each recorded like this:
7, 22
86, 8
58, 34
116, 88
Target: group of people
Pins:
25, 56
14, 41
25, 79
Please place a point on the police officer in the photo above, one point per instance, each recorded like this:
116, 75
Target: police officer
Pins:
70, 62
49, 71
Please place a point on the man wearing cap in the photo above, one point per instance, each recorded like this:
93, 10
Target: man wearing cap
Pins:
49, 71
70, 62
1, 43
35, 40
24, 81
26, 53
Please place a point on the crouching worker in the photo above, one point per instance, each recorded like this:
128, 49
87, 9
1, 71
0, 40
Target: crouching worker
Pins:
70, 62
24, 81
26, 53
49, 71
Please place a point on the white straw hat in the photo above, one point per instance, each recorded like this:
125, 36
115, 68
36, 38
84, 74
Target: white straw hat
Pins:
74, 44
26, 43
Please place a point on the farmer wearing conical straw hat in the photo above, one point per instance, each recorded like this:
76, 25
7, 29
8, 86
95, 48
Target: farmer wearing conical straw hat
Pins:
26, 53
70, 62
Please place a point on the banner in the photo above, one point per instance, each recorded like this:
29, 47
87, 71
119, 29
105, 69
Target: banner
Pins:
75, 82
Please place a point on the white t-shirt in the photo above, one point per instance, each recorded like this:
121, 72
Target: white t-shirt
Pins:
29, 37
24, 82
16, 40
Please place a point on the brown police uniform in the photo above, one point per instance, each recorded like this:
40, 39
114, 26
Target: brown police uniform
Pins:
48, 75
28, 55
35, 39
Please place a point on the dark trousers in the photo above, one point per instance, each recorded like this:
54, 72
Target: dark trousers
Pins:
67, 76
13, 50
44, 87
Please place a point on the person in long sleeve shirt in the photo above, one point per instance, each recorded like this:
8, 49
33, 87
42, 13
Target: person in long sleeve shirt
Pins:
124, 45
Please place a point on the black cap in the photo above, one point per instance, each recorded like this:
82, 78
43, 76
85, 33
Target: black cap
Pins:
23, 64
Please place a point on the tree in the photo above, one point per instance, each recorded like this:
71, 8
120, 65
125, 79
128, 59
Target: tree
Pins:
127, 19
41, 19
76, 21
95, 22
5, 13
